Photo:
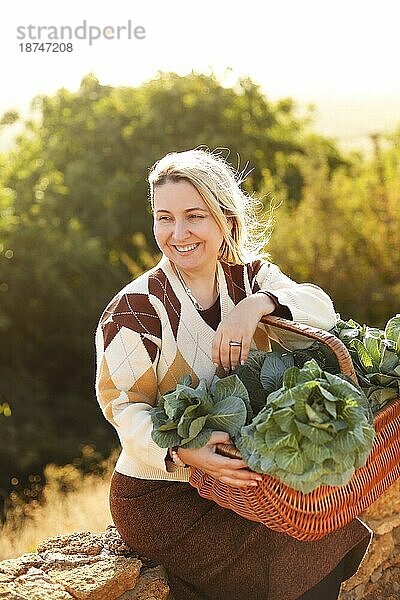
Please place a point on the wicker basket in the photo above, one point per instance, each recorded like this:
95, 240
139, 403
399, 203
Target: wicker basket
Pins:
327, 508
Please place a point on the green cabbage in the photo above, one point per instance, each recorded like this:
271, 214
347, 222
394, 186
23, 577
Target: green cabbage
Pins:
316, 429
187, 416
263, 372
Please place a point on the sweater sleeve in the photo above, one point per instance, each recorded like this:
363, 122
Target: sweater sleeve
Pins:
127, 351
280, 310
308, 304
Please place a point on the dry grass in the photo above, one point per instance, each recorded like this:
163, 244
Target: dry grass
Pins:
72, 502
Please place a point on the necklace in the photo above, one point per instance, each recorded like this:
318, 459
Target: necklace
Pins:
188, 291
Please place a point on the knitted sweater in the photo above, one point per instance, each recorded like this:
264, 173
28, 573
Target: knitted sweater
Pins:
151, 334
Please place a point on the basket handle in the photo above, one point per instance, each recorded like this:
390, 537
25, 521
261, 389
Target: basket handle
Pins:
336, 345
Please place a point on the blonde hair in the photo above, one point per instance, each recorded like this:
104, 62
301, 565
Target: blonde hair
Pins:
219, 186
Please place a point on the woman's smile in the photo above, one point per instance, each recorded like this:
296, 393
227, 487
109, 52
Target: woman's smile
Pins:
186, 249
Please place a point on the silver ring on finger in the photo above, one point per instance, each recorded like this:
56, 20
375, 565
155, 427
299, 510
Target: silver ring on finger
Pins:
233, 343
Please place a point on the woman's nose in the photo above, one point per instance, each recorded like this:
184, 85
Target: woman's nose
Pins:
181, 231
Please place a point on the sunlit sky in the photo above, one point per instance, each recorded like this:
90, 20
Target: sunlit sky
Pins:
341, 56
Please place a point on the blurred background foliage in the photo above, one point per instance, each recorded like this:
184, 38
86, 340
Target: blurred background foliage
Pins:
75, 227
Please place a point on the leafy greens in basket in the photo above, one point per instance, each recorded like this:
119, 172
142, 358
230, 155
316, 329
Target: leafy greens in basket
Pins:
187, 416
375, 354
316, 429
263, 371
376, 358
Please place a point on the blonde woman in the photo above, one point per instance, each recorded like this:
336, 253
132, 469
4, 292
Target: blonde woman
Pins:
195, 312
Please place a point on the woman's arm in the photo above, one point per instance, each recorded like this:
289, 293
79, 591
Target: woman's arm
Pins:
307, 303
126, 381
280, 309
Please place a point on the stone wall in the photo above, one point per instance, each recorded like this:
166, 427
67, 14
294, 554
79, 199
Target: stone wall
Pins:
87, 566
378, 578
99, 566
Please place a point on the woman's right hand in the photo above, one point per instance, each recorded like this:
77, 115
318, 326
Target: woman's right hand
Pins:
232, 471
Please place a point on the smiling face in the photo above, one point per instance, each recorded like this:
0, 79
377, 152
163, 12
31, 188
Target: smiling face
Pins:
184, 228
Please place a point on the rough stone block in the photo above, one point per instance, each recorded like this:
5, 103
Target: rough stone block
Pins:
14, 567
82, 542
105, 579
35, 584
83, 566
152, 585
380, 550
386, 505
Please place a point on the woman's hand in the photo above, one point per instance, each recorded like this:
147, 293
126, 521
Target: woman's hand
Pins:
239, 326
232, 471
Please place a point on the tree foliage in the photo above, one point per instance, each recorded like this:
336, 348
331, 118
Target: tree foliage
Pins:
345, 233
75, 226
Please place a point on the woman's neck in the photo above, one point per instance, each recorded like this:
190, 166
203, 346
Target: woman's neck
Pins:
202, 286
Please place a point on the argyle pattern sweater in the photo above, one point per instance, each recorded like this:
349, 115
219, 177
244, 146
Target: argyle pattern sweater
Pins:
151, 334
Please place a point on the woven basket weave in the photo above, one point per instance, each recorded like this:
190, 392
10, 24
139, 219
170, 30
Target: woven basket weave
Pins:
312, 516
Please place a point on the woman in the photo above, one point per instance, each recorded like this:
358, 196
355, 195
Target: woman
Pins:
196, 312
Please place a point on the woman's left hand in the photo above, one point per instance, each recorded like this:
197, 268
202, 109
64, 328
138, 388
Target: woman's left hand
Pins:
239, 326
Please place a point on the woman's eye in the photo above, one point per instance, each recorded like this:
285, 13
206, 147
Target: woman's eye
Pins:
167, 218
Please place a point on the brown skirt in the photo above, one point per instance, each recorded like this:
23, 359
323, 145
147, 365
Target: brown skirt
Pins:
211, 553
